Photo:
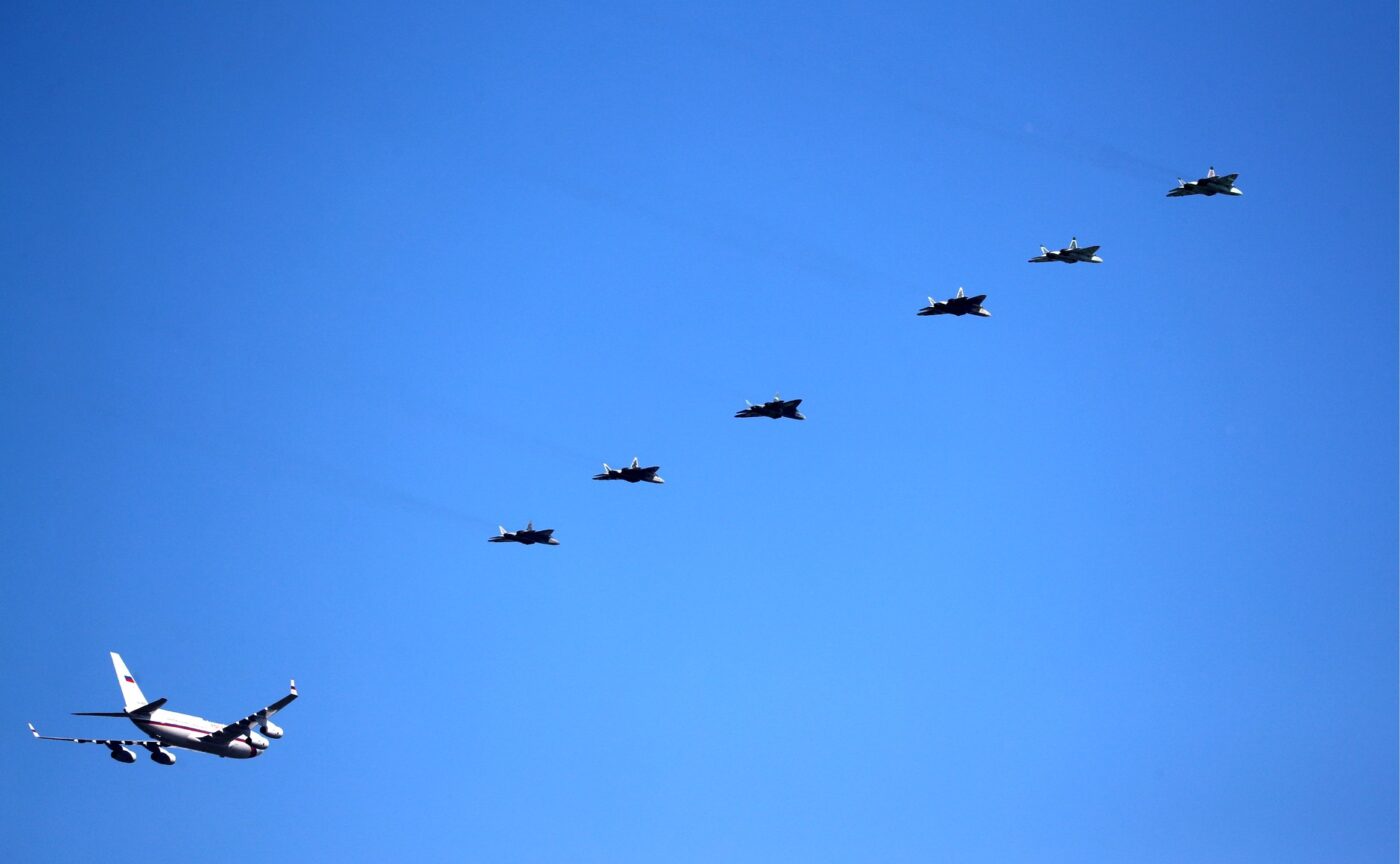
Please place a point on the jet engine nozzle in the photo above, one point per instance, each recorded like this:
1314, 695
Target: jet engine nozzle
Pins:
271, 730
161, 757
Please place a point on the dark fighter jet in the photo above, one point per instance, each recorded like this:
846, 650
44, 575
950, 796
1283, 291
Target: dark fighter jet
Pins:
1211, 184
1071, 254
633, 473
774, 409
529, 536
959, 305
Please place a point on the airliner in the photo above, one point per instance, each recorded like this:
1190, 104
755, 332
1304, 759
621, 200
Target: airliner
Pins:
171, 729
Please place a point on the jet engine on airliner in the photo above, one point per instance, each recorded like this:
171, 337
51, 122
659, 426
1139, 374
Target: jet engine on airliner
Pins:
121, 754
270, 729
163, 757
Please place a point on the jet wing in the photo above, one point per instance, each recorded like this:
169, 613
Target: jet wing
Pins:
792, 403
1228, 179
108, 742
241, 727
1088, 250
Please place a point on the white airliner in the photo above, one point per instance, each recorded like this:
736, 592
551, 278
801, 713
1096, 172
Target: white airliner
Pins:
172, 729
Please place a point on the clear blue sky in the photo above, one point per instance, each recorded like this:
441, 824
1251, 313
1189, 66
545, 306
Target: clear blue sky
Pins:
300, 302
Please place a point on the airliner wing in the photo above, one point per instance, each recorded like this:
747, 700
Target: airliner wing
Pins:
105, 741
241, 727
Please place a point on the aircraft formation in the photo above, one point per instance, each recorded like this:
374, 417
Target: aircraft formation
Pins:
169, 730
958, 305
1211, 184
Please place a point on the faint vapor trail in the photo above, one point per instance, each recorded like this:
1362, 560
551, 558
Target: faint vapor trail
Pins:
1096, 153
266, 457
836, 269
370, 490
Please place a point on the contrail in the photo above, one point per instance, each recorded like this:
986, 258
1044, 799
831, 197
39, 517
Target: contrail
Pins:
1096, 153
371, 490
837, 270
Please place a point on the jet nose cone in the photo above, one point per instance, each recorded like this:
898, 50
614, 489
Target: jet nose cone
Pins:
1096, 260
1236, 191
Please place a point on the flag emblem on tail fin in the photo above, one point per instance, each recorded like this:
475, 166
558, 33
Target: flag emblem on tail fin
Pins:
129, 678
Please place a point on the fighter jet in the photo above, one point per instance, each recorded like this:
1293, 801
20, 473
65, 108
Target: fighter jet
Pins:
169, 729
528, 535
1211, 184
634, 473
959, 305
774, 409
1071, 254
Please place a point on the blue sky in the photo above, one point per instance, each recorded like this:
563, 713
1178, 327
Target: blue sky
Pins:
302, 302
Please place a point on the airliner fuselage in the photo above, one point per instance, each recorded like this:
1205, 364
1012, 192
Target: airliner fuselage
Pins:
174, 729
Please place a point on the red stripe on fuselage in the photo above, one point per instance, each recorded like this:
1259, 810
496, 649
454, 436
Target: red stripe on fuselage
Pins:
178, 726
